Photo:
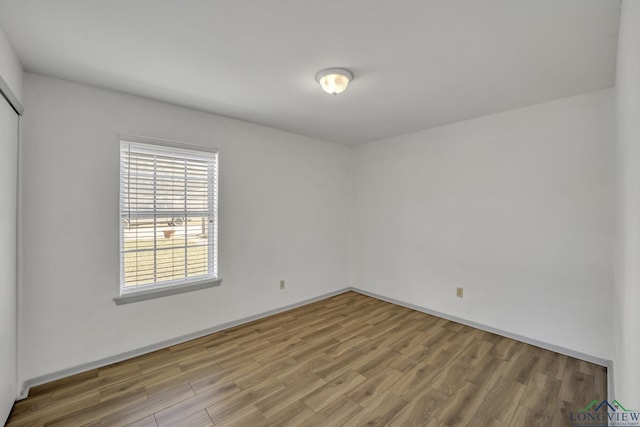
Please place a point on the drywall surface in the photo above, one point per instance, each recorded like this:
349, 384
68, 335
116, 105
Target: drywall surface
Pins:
10, 67
8, 226
516, 208
284, 203
627, 316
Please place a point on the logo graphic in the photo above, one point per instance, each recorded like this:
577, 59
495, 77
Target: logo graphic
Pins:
604, 413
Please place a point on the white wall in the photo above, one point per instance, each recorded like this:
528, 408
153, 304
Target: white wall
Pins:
516, 208
11, 86
10, 67
627, 316
284, 203
8, 188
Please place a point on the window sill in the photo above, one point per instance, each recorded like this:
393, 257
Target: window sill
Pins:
165, 291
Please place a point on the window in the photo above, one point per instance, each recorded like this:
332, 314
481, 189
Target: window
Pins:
168, 218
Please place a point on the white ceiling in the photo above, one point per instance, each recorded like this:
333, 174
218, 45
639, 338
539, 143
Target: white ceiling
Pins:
416, 63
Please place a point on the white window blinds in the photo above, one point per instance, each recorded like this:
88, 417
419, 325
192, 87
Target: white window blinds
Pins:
168, 215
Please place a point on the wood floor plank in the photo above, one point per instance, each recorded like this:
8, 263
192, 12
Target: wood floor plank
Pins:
421, 409
227, 376
347, 360
521, 365
281, 348
404, 363
452, 377
295, 391
487, 372
460, 408
600, 383
33, 404
540, 394
247, 397
527, 417
503, 399
64, 383
139, 382
481, 419
155, 402
195, 419
475, 352
576, 387
551, 364
379, 412
561, 412
247, 416
335, 414
374, 386
442, 354
333, 390
294, 415
95, 412
414, 381
173, 414
504, 348
54, 411
374, 362
148, 421
328, 368
266, 371
291, 374
347, 346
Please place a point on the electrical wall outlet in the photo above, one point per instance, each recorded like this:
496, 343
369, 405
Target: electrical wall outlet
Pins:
459, 292
281, 284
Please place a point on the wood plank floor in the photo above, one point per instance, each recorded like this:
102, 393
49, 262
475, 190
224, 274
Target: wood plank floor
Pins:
349, 360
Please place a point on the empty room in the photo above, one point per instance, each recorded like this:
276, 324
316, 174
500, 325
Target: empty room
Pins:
346, 213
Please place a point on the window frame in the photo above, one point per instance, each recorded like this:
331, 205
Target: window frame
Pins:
176, 286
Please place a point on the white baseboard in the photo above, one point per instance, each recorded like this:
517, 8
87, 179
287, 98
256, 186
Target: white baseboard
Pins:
26, 385
43, 379
545, 345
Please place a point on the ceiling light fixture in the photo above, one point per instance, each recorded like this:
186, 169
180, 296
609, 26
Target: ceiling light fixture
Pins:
334, 80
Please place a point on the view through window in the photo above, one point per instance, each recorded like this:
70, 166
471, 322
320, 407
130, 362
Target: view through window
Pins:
168, 214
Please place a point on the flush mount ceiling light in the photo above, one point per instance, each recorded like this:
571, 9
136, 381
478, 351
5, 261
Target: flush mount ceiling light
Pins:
334, 80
